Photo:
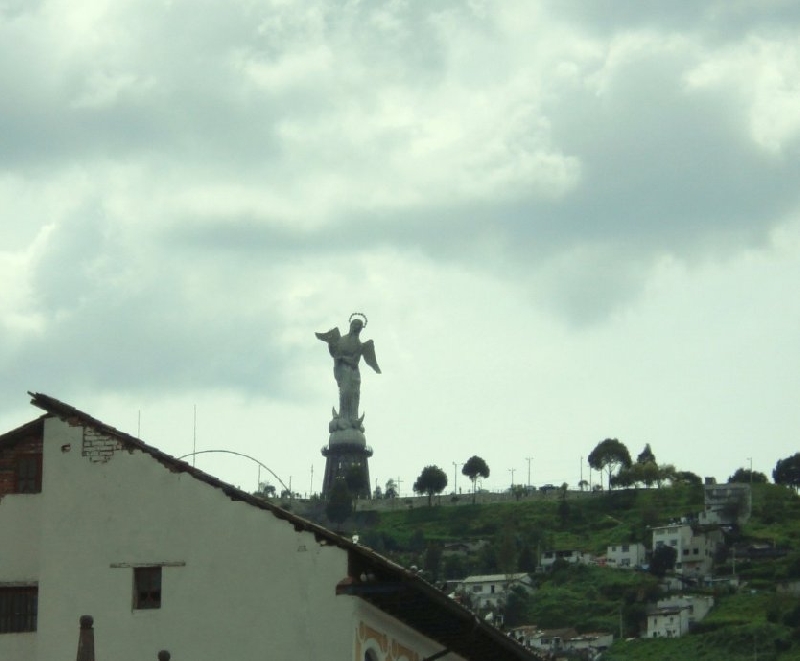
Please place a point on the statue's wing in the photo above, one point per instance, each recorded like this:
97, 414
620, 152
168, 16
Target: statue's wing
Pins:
368, 351
331, 336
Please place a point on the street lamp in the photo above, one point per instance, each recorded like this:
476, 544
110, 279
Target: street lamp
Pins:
455, 476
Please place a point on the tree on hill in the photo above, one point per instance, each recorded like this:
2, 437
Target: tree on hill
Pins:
667, 472
646, 455
610, 455
391, 489
432, 480
686, 477
474, 468
747, 476
787, 472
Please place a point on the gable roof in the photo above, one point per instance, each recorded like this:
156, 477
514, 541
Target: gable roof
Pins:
22, 433
386, 585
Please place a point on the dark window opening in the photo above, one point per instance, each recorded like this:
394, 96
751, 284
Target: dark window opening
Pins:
146, 587
28, 474
18, 609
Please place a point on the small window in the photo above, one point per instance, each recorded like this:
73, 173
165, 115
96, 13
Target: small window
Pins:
18, 609
146, 588
29, 474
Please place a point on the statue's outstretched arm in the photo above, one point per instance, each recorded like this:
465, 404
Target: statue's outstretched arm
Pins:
368, 351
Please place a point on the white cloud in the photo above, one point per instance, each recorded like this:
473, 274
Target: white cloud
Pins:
565, 221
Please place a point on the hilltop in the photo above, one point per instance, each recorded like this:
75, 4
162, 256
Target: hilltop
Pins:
451, 540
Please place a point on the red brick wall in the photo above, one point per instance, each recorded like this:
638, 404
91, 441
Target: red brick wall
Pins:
10, 451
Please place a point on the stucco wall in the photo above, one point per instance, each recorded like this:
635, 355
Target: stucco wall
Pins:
20, 525
239, 583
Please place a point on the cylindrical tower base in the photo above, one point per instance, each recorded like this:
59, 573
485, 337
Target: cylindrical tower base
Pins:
340, 458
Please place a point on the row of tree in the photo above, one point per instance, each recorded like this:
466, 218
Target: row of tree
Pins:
612, 456
433, 480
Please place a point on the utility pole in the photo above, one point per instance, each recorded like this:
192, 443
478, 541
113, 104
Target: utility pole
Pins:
529, 459
455, 476
512, 471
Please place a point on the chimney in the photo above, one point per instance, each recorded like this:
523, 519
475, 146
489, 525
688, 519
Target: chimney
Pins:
86, 639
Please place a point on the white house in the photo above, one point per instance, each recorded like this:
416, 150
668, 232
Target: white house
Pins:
626, 556
165, 557
492, 589
571, 556
667, 622
695, 547
674, 616
555, 641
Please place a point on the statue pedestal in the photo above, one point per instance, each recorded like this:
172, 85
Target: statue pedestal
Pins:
346, 448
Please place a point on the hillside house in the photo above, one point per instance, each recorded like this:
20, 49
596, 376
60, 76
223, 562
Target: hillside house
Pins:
491, 590
726, 504
566, 640
674, 616
695, 546
667, 622
570, 556
626, 556
166, 557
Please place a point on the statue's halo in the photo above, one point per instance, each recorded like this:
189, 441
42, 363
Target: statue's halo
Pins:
358, 314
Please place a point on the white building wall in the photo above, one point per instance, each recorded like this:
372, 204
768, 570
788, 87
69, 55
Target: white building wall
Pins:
20, 526
239, 578
625, 555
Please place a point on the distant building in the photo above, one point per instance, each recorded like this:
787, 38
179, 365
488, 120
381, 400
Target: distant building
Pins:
570, 556
727, 504
675, 616
667, 622
695, 546
558, 641
626, 556
491, 590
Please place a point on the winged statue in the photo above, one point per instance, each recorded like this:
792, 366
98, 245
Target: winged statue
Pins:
347, 351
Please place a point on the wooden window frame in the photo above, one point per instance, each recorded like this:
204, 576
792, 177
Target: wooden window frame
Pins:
28, 473
147, 584
19, 608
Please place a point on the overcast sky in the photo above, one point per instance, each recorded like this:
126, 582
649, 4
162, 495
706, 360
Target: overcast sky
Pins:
565, 221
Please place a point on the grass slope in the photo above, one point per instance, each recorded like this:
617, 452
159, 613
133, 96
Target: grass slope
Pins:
753, 623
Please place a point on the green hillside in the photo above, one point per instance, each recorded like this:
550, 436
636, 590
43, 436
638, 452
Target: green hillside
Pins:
508, 536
